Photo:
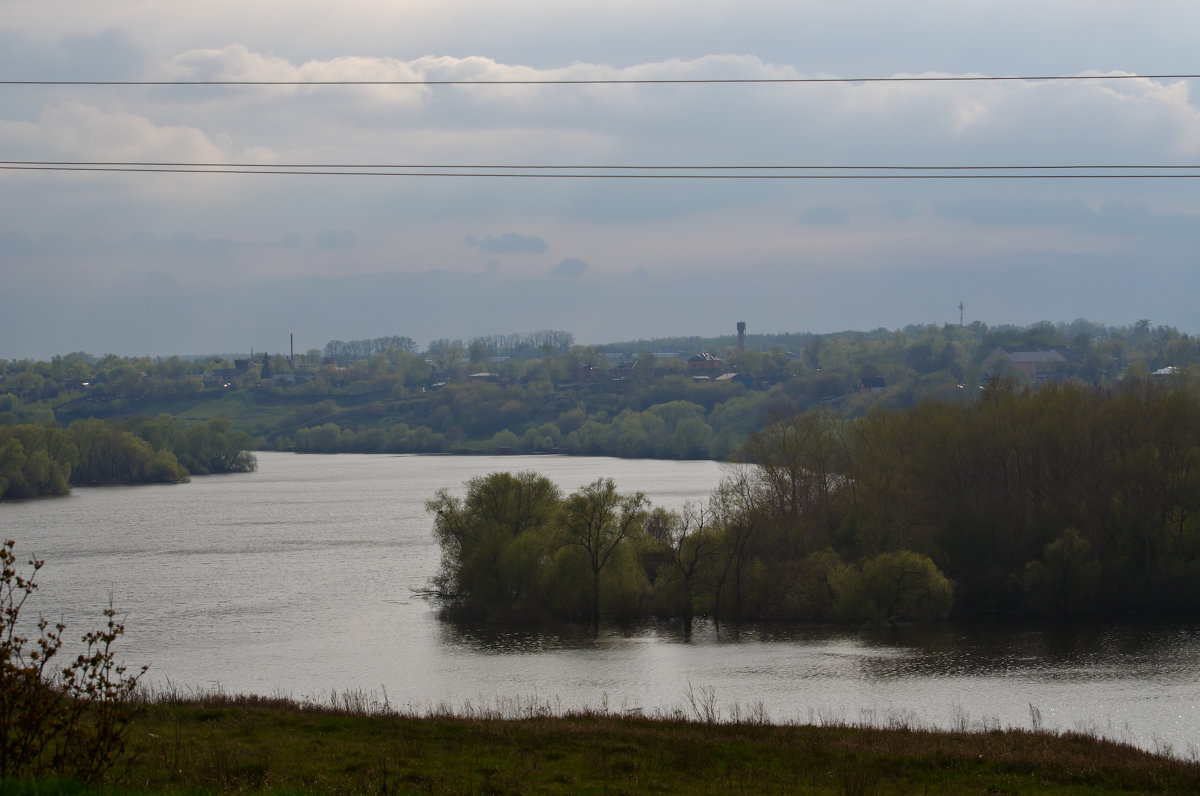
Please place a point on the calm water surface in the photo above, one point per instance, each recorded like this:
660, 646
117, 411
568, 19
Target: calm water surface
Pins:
299, 579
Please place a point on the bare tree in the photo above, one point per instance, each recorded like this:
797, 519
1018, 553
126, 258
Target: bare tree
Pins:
737, 508
693, 539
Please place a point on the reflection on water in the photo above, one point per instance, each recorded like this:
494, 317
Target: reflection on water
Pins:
1164, 649
301, 578
1161, 653
526, 639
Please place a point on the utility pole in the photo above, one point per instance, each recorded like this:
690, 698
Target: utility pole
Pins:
961, 308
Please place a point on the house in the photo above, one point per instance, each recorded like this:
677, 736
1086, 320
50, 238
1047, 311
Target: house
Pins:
1038, 365
220, 377
705, 364
871, 384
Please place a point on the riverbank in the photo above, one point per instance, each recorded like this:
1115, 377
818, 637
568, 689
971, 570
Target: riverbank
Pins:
223, 744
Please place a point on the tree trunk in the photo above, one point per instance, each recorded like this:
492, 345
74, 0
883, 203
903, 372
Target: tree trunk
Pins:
595, 619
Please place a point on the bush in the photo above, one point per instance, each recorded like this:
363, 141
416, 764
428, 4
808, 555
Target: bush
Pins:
71, 722
1067, 579
894, 586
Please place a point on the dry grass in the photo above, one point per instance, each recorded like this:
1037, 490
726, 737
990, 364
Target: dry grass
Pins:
358, 742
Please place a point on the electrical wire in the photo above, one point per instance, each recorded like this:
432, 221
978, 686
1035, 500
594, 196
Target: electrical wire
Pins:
1067, 172
595, 167
603, 81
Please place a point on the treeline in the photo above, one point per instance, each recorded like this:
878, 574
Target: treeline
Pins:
531, 345
623, 399
581, 402
1063, 501
346, 352
670, 418
47, 460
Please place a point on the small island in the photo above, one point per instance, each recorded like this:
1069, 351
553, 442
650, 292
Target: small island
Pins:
1063, 501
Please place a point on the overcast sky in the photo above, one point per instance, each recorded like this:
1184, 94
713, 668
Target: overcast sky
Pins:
203, 263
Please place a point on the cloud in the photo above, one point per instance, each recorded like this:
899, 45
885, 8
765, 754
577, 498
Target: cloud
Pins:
190, 243
867, 36
508, 243
158, 320
161, 279
826, 216
111, 53
233, 232
571, 266
1114, 218
77, 130
333, 240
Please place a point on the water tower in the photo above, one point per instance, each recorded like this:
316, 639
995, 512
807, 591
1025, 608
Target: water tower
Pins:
741, 327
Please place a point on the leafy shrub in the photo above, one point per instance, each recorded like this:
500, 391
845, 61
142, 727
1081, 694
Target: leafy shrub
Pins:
73, 721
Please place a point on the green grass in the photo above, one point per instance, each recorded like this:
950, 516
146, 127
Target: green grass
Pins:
220, 744
238, 405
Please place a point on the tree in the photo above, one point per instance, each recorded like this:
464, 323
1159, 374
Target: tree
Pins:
904, 585
692, 439
477, 352
494, 541
108, 454
1067, 579
692, 541
35, 461
643, 367
800, 461
737, 510
597, 520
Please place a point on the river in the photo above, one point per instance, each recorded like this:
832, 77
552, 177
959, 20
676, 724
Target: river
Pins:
299, 580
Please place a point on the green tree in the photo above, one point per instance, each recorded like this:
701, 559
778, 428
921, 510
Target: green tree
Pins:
494, 544
904, 585
692, 438
108, 454
1066, 581
597, 519
477, 353
505, 440
820, 580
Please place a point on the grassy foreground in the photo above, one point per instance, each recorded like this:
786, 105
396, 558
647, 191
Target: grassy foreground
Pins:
219, 744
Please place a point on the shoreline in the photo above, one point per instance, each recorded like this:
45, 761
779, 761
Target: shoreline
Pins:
223, 743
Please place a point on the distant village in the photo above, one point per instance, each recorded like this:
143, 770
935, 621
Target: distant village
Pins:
542, 375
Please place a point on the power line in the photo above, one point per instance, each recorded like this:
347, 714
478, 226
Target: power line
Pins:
476, 172
603, 81
600, 167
